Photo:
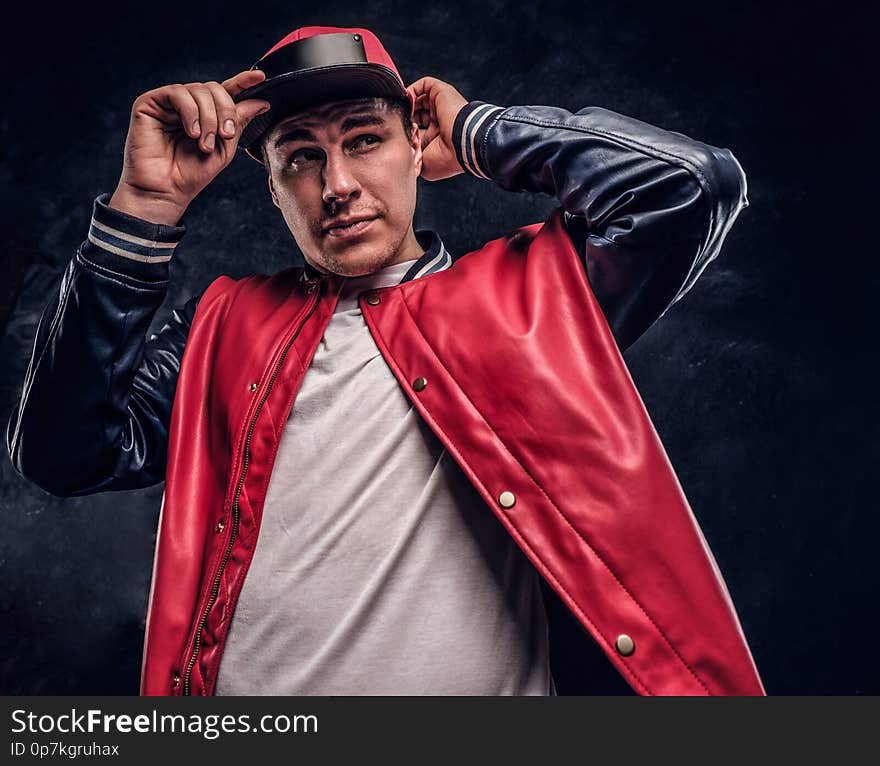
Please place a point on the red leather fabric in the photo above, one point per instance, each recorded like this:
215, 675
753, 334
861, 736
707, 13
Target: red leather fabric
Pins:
527, 389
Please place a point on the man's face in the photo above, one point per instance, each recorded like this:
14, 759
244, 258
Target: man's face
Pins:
342, 161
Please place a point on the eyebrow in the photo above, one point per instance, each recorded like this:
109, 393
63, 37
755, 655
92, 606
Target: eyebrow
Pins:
349, 123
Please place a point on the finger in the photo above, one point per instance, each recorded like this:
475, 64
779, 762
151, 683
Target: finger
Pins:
422, 111
178, 99
429, 134
242, 81
422, 85
225, 106
207, 115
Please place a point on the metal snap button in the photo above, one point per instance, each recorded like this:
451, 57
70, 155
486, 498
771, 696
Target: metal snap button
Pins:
507, 499
420, 384
252, 387
625, 645
373, 299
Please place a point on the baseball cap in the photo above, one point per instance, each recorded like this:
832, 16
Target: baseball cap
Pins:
316, 64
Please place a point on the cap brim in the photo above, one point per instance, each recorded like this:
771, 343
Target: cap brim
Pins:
288, 93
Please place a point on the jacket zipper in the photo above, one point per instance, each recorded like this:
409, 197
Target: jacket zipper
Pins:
215, 590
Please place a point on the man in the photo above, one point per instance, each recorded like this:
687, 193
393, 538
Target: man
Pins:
375, 463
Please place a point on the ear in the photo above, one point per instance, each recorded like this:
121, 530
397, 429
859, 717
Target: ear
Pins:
272, 190
416, 145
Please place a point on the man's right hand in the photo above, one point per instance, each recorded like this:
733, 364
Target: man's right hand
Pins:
179, 138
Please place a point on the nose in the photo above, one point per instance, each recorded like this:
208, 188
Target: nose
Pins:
340, 183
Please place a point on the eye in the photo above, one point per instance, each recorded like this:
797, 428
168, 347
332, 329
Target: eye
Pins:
364, 141
304, 156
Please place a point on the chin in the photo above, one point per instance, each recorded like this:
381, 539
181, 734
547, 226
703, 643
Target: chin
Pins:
358, 261
354, 269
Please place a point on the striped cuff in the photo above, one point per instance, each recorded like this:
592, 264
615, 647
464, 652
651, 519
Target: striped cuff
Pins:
128, 245
472, 124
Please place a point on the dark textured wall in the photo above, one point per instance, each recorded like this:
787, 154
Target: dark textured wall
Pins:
760, 381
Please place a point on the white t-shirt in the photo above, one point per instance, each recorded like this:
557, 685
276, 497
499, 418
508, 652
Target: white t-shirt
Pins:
378, 569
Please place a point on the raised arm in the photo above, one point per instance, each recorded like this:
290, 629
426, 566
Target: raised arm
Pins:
96, 400
646, 208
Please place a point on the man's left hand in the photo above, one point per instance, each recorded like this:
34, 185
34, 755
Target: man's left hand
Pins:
437, 104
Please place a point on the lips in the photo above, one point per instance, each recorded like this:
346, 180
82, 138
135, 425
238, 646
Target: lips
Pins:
352, 229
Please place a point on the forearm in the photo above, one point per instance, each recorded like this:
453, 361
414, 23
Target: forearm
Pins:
88, 418
647, 208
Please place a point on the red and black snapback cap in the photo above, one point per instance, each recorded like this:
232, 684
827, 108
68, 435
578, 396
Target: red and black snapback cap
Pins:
312, 65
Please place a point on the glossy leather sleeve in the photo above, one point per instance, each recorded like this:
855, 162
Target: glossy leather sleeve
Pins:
97, 395
646, 208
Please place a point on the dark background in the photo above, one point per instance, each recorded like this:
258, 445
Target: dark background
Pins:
760, 382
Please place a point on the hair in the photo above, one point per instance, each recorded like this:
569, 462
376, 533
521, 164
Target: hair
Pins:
400, 105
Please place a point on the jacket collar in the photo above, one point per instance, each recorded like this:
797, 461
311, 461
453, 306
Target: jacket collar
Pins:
435, 258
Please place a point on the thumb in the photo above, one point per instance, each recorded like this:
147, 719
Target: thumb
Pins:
432, 162
249, 109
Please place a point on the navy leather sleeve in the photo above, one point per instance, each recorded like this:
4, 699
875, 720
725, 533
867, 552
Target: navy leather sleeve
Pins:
646, 208
96, 400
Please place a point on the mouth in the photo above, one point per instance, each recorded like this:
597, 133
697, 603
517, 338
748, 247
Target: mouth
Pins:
348, 230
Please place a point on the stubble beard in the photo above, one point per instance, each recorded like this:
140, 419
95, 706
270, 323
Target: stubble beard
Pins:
367, 262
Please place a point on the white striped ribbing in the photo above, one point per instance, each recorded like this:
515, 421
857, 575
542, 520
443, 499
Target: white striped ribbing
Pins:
472, 125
